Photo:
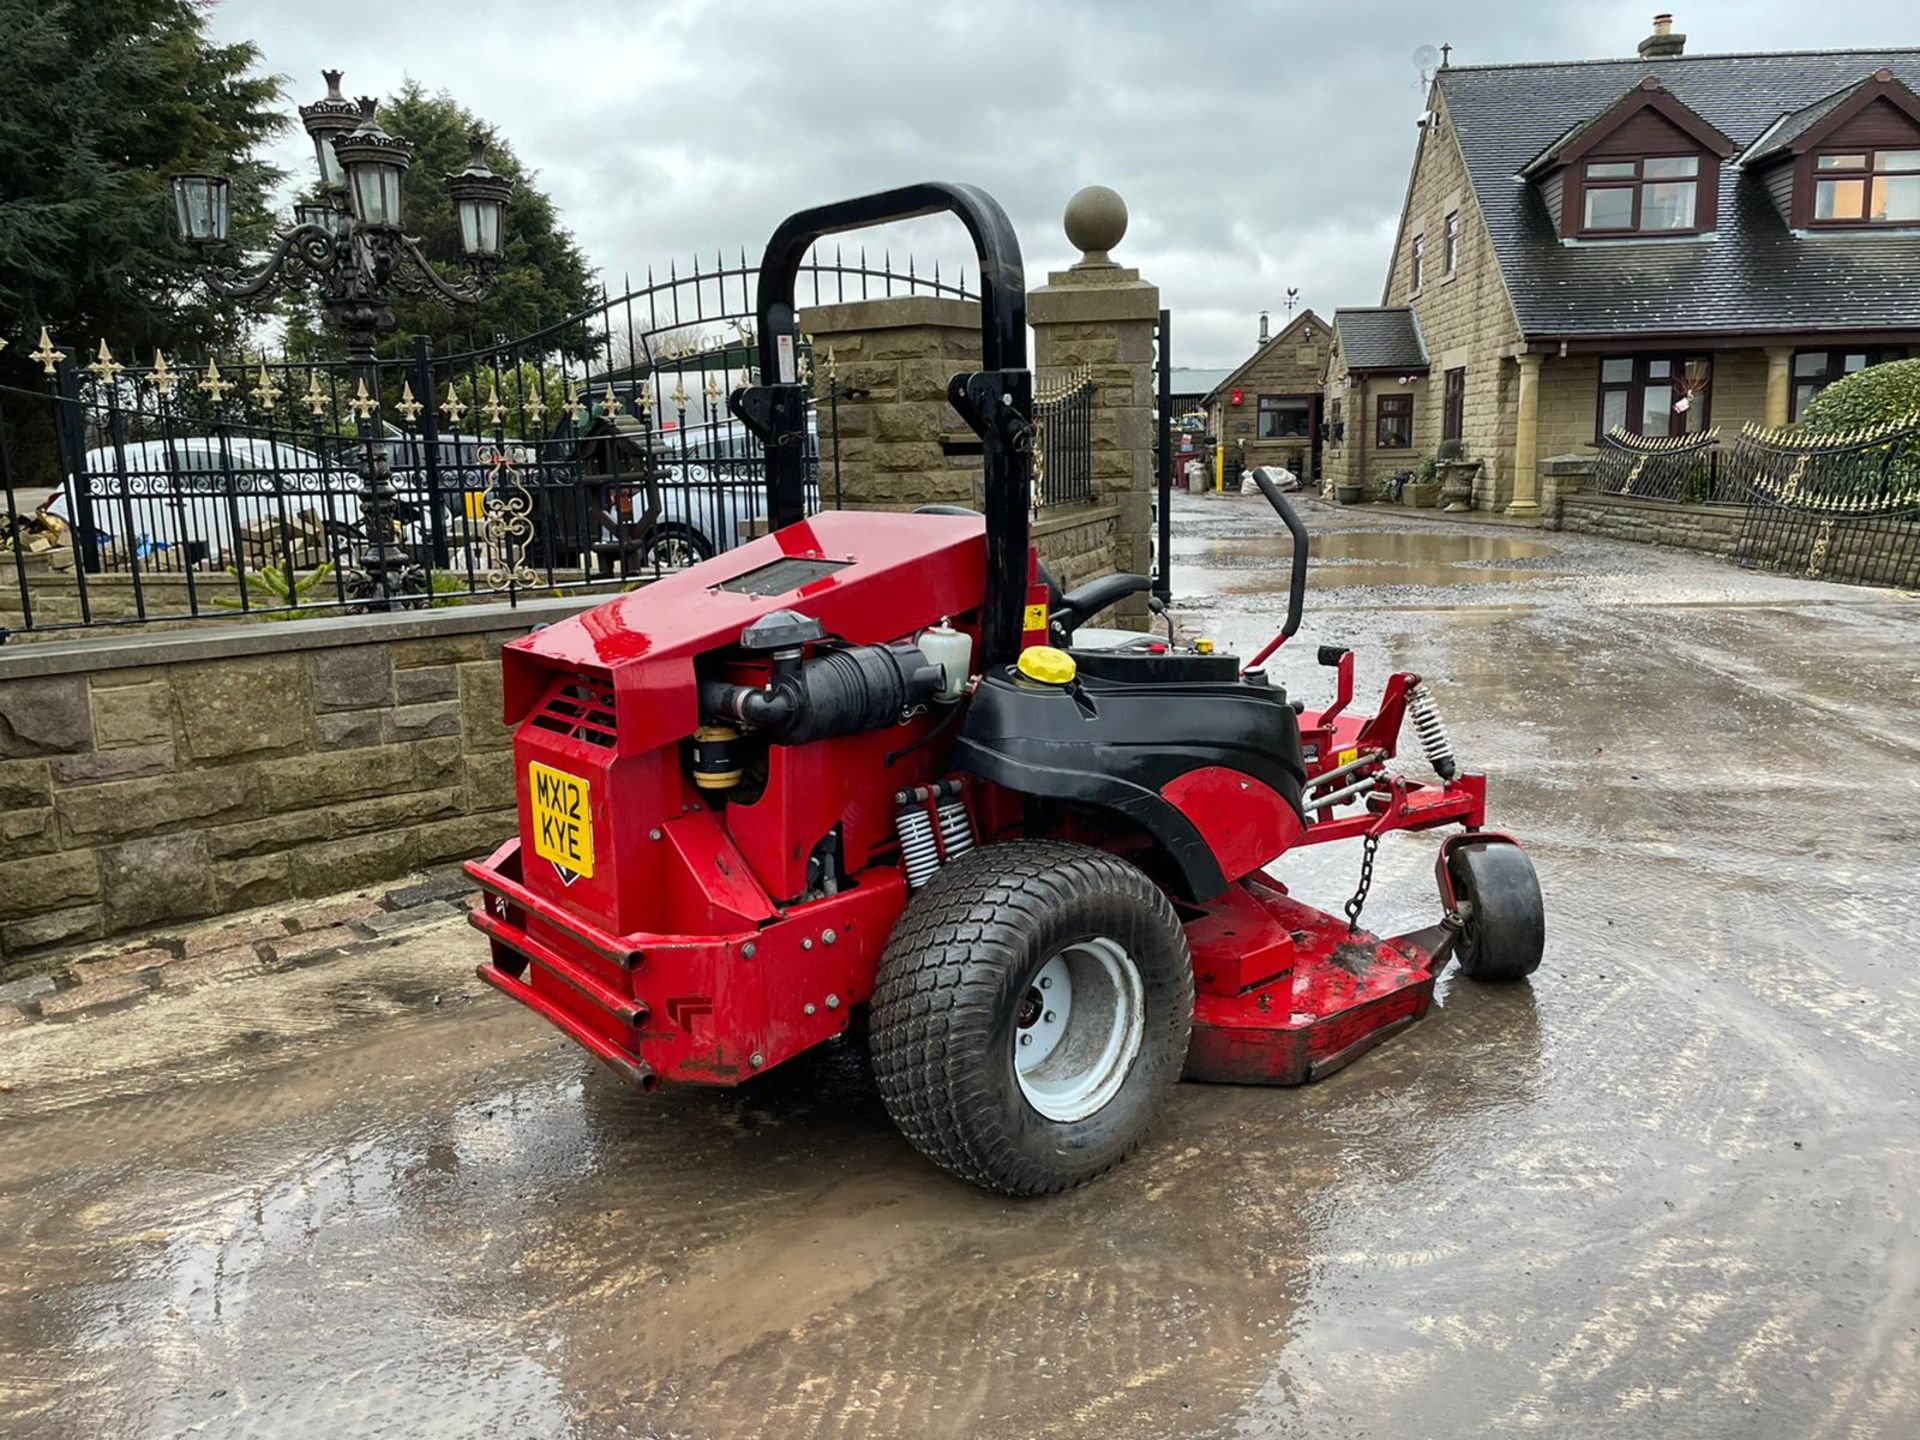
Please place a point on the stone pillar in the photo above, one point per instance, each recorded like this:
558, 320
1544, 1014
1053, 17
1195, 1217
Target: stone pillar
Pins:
890, 361
1526, 438
1779, 384
1102, 315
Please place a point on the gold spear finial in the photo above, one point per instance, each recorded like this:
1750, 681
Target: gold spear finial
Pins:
408, 407
161, 378
266, 394
611, 404
493, 409
46, 354
106, 368
212, 382
452, 408
315, 399
363, 405
574, 406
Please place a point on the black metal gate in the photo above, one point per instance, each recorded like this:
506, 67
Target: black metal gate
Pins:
595, 452
1842, 507
1163, 459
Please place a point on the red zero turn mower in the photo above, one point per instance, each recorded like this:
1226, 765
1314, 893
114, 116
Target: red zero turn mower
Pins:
857, 777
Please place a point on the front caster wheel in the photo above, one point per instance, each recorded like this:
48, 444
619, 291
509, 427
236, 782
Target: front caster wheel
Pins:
1505, 930
1031, 1012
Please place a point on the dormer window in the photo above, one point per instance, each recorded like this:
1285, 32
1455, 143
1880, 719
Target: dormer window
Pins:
1866, 187
1654, 195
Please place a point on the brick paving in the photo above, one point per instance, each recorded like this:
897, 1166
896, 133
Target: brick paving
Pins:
88, 979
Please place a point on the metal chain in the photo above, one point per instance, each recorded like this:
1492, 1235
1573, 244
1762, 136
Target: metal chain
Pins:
1359, 900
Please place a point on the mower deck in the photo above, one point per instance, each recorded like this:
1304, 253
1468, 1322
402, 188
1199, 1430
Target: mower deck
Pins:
1284, 993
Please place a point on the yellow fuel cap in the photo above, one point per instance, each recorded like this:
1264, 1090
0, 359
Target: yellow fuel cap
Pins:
1046, 664
1204, 646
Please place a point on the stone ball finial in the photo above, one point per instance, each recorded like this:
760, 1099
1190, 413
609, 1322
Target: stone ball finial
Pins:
1096, 220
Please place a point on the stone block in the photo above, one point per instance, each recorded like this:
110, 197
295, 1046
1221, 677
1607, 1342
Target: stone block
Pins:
25, 782
422, 722
437, 762
353, 677
348, 729
450, 884
55, 927
309, 944
100, 993
346, 864
47, 882
490, 780
418, 917
437, 650
45, 716
129, 807
28, 831
463, 837
425, 682
329, 912
132, 714
27, 987
126, 763
165, 877
300, 781
480, 708
276, 832
242, 706
386, 812
252, 880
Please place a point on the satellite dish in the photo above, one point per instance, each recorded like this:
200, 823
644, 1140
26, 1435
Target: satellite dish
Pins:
1425, 58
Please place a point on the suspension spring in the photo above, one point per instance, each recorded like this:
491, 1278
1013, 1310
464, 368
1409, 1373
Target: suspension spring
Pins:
1432, 731
918, 848
956, 831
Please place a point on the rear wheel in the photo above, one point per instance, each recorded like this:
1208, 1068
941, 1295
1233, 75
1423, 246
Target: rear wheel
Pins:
1505, 930
1031, 1012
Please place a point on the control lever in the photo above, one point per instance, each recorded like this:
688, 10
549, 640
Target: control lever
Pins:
1297, 580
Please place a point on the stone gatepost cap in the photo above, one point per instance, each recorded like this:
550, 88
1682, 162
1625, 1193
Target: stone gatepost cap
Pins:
1095, 222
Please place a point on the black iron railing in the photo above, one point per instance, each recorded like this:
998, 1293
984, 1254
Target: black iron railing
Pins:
1063, 439
597, 451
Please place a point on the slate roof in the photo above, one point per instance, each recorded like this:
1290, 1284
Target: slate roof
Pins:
1757, 276
1381, 337
1229, 376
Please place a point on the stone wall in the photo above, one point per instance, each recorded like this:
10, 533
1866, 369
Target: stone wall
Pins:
1078, 543
150, 778
897, 437
1714, 529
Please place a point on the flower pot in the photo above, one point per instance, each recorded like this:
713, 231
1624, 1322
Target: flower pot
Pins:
1350, 494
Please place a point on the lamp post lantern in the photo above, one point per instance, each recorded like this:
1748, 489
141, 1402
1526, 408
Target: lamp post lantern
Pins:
350, 249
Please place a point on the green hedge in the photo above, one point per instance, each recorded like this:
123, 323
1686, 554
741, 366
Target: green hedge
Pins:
1866, 397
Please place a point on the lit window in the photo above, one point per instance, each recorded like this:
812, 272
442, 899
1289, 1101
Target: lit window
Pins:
1867, 187
1659, 193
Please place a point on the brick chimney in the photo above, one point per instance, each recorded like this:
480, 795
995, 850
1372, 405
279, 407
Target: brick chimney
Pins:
1662, 44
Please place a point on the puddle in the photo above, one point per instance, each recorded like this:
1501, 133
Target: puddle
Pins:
1345, 577
1403, 547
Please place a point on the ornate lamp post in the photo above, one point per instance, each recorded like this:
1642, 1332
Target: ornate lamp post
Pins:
350, 249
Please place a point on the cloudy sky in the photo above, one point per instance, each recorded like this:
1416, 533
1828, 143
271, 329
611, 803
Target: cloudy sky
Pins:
1259, 145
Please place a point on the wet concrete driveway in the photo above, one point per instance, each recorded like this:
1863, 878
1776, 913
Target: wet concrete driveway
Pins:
1667, 1190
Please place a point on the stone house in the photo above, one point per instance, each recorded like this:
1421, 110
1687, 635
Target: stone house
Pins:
1267, 410
1664, 242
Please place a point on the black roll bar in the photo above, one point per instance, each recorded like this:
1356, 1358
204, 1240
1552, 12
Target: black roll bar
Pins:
996, 402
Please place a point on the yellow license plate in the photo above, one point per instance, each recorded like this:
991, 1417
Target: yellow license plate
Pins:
562, 819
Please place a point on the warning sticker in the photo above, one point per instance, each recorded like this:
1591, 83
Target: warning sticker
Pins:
562, 820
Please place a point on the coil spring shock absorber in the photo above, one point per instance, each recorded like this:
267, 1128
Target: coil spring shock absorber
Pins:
1432, 731
934, 829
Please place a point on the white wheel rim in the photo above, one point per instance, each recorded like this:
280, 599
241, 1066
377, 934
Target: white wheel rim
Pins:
1079, 1029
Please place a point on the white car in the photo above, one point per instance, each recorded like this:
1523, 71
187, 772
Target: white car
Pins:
176, 503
